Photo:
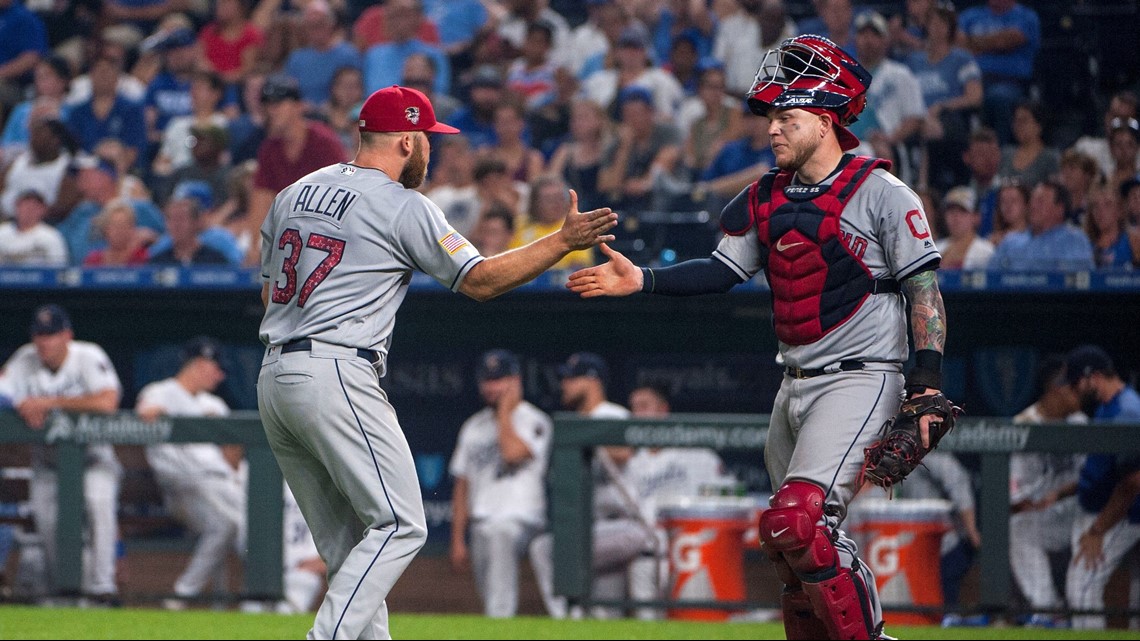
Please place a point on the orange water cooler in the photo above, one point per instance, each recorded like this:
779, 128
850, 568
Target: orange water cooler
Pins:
901, 541
706, 554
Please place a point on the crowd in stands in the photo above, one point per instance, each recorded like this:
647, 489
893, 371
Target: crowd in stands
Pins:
160, 130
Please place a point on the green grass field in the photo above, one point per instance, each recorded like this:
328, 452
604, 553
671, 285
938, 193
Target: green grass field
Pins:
66, 623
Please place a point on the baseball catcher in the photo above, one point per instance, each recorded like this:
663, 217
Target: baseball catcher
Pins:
913, 433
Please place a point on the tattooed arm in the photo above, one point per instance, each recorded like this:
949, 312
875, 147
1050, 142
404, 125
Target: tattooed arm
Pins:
928, 324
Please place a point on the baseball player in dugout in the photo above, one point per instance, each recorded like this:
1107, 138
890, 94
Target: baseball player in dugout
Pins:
845, 247
338, 250
499, 467
53, 373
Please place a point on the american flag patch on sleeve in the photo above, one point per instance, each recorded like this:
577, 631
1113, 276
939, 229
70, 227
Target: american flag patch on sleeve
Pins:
453, 242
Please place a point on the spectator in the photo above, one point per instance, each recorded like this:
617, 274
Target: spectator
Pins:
632, 67
107, 114
531, 75
1004, 36
494, 230
51, 78
23, 42
314, 65
683, 64
184, 224
476, 118
1011, 214
983, 158
371, 28
247, 130
56, 372
895, 108
646, 150
680, 21
1050, 243
737, 164
745, 35
175, 153
383, 63
1122, 106
26, 241
128, 86
168, 94
549, 125
1108, 525
909, 30
579, 159
1029, 161
125, 245
1042, 496
657, 476
98, 181
708, 120
1123, 142
115, 152
494, 185
1130, 196
499, 498
453, 184
44, 168
520, 13
1106, 228
231, 43
208, 164
1079, 173
231, 214
835, 23
524, 163
293, 148
342, 109
951, 84
963, 248
419, 73
545, 213
591, 39
144, 15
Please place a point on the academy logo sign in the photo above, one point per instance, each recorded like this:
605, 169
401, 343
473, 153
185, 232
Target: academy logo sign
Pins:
120, 428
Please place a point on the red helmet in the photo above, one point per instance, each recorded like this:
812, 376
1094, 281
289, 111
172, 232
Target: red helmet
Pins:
810, 71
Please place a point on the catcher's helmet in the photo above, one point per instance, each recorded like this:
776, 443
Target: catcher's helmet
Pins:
810, 71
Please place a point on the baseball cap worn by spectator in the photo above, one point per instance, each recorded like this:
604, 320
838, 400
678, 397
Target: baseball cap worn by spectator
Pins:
585, 364
872, 20
88, 161
497, 363
49, 319
278, 88
201, 347
634, 35
962, 197
635, 93
1086, 360
398, 109
197, 190
486, 76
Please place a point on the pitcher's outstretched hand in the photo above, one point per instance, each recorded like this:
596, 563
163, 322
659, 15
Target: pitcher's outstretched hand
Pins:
586, 229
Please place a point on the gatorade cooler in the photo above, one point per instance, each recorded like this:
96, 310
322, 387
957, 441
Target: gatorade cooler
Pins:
901, 541
706, 554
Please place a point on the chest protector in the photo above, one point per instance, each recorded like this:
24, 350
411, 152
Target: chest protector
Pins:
817, 281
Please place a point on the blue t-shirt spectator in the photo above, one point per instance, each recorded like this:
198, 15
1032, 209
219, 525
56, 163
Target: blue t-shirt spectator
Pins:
125, 122
736, 155
1063, 247
477, 133
169, 96
945, 79
663, 38
314, 70
1018, 63
21, 31
384, 65
1116, 256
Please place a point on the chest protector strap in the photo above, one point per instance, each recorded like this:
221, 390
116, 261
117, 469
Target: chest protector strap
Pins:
815, 270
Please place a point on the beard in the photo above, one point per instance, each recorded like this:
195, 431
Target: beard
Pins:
799, 156
416, 168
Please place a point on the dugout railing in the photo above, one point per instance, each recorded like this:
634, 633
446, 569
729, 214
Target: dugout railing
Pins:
69, 434
992, 439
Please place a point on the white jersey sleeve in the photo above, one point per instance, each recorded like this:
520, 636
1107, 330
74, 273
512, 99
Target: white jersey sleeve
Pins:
425, 240
904, 230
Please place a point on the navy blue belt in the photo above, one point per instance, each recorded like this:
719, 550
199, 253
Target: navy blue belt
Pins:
306, 345
842, 366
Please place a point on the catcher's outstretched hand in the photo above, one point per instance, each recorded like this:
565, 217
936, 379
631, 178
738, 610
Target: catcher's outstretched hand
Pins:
586, 229
617, 277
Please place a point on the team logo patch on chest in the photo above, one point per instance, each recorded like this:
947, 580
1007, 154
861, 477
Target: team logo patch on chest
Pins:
413, 115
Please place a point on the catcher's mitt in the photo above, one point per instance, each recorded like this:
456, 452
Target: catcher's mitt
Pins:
899, 450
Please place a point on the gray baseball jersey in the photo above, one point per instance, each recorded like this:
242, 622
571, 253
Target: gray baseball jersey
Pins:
338, 249
884, 226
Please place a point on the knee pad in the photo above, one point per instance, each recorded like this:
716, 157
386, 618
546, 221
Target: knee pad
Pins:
790, 527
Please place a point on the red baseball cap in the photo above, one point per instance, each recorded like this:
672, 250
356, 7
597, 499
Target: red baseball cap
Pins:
397, 108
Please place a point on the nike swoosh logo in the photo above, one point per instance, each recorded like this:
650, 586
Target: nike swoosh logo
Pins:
777, 533
780, 246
